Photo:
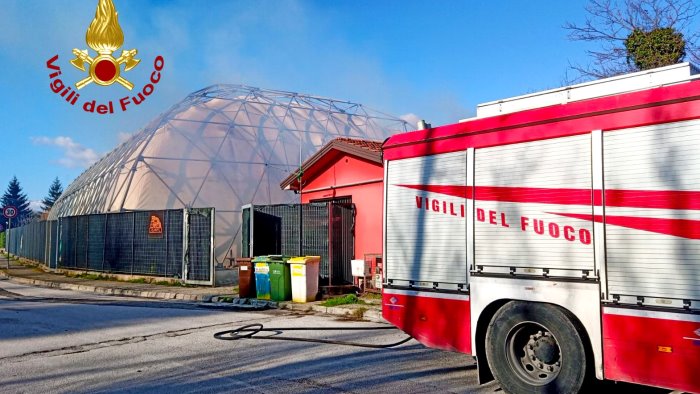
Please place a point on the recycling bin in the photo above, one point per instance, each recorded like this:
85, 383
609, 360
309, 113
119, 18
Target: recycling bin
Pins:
262, 277
246, 278
280, 280
304, 275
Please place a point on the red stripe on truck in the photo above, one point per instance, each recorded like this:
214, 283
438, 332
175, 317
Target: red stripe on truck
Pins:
663, 199
667, 199
512, 194
677, 227
684, 228
455, 191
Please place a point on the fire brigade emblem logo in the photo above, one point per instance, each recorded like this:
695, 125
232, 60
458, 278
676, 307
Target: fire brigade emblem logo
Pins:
155, 225
104, 36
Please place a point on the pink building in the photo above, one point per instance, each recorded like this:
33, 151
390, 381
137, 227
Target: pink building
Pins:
347, 170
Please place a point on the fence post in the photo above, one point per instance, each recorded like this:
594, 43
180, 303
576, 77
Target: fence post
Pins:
47, 242
212, 269
185, 243
330, 243
133, 241
166, 227
301, 226
58, 242
7, 241
104, 243
75, 243
87, 245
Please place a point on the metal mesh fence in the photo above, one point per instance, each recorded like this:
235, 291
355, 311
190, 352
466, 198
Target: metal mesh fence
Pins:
80, 241
64, 248
342, 241
151, 253
199, 233
139, 243
33, 241
174, 222
286, 228
245, 250
118, 246
96, 242
323, 229
52, 244
315, 234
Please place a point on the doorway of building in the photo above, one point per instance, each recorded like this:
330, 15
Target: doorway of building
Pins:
323, 228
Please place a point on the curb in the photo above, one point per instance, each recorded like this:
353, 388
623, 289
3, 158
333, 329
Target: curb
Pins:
164, 295
350, 312
372, 315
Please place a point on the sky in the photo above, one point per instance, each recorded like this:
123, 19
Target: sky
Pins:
432, 60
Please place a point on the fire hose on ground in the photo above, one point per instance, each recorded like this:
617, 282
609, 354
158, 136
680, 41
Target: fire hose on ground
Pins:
249, 331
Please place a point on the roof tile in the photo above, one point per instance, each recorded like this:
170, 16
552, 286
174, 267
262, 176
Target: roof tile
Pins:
371, 145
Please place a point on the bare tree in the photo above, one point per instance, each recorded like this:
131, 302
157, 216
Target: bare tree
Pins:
620, 25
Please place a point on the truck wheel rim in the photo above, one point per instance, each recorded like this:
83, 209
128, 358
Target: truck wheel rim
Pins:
533, 353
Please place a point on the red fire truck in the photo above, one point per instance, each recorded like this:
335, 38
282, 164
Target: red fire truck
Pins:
555, 236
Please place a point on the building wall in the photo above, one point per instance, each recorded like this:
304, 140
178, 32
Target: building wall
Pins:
334, 181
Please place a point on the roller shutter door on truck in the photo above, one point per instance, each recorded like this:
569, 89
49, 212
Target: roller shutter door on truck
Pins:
425, 221
652, 209
533, 208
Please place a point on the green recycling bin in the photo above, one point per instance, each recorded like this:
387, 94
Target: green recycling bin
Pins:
262, 277
280, 279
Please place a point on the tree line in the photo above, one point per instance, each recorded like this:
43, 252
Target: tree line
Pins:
14, 196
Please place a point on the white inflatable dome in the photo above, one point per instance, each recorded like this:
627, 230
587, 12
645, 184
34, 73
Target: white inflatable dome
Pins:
224, 146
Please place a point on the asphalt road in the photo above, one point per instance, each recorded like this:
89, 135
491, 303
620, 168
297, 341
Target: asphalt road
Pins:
56, 341
62, 341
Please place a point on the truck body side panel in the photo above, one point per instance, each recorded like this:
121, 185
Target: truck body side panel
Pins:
651, 347
426, 271
438, 320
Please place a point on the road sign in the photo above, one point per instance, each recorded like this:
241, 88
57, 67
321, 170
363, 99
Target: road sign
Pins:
9, 212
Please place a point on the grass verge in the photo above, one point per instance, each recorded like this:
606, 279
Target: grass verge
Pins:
344, 300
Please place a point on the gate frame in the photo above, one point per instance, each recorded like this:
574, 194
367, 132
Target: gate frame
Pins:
186, 244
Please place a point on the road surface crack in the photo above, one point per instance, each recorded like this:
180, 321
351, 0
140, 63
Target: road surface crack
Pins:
108, 343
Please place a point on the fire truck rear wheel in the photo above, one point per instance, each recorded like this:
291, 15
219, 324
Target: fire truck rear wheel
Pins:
535, 348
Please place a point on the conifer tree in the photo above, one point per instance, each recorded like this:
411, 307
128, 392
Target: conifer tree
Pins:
14, 197
55, 191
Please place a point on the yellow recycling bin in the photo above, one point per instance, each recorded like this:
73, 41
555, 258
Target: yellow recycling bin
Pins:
304, 272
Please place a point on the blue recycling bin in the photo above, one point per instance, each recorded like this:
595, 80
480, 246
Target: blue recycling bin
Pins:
262, 277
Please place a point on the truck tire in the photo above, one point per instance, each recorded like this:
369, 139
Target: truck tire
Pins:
535, 348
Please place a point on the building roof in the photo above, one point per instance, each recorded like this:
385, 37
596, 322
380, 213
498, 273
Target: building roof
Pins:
369, 150
224, 146
372, 146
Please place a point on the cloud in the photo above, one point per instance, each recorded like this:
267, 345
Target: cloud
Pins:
35, 205
74, 154
411, 118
